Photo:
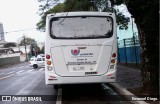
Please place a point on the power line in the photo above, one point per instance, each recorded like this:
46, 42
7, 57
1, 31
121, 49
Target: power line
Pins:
17, 31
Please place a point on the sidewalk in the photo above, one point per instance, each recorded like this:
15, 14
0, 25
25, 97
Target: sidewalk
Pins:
128, 78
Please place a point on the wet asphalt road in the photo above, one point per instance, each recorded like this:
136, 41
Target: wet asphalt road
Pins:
20, 79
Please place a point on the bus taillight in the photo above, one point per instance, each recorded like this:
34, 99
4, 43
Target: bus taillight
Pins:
49, 63
114, 55
113, 61
48, 56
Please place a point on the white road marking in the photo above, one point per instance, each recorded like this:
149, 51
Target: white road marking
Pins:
41, 69
59, 96
30, 70
10, 72
20, 67
20, 71
30, 86
7, 76
1, 73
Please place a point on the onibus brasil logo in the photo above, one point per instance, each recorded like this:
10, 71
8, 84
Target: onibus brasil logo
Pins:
75, 51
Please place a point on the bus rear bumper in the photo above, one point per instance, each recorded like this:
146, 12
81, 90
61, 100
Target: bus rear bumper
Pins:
106, 78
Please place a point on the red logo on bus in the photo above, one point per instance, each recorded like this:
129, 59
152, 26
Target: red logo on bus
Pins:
75, 51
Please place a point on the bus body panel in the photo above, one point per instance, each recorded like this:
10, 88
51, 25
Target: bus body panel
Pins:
91, 59
106, 78
80, 60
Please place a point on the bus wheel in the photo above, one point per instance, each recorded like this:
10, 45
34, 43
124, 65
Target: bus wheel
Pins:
35, 66
55, 86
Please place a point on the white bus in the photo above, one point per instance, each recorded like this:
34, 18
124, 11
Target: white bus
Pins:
80, 47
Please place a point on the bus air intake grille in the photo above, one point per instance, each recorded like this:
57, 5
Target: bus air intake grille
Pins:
90, 73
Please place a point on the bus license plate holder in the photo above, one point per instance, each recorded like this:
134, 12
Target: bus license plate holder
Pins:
79, 68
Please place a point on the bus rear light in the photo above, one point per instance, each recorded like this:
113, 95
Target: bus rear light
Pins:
114, 55
49, 62
113, 61
112, 67
109, 75
49, 68
48, 56
75, 51
52, 78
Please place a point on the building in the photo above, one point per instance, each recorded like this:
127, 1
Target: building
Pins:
2, 40
22, 49
1, 32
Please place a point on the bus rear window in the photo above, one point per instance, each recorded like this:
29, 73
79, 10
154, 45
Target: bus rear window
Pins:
81, 27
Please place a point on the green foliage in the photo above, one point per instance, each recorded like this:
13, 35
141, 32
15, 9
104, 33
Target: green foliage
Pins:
42, 23
34, 47
122, 21
77, 5
42, 50
10, 44
46, 5
27, 41
84, 5
38, 49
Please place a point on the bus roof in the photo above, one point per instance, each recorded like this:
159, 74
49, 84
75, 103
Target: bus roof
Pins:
81, 14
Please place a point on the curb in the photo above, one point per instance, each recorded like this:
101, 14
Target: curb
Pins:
124, 91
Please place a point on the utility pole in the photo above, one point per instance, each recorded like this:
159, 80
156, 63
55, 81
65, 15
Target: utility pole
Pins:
25, 48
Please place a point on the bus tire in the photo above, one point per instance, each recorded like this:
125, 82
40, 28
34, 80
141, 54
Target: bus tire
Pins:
35, 66
55, 86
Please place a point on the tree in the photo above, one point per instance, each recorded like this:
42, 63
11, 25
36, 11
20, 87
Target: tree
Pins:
146, 17
78, 5
46, 5
27, 41
10, 44
42, 23
82, 5
42, 50
34, 48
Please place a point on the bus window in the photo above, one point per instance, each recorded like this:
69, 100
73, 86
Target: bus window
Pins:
78, 27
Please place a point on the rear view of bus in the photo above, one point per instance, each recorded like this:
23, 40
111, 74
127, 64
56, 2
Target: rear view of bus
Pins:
81, 47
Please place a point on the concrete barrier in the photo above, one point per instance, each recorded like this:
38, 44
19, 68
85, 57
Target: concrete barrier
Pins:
9, 60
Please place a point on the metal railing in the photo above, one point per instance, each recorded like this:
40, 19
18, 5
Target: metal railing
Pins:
129, 50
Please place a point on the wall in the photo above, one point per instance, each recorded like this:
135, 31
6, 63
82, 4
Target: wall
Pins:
9, 59
129, 54
129, 50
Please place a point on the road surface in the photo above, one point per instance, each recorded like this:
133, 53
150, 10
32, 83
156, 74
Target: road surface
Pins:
21, 80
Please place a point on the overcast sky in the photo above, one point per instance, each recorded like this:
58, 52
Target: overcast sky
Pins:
20, 15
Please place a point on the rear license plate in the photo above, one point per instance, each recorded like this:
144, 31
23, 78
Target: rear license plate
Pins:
80, 68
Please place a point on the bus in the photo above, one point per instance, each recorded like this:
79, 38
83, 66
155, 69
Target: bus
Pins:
80, 47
